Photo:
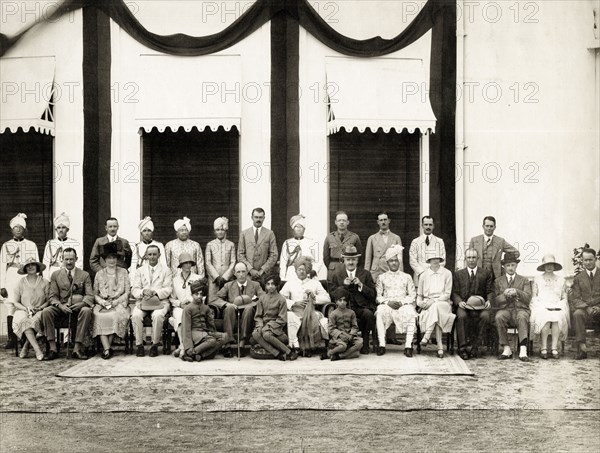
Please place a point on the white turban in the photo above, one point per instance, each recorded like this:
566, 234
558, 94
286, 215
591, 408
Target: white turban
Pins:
298, 220
221, 222
393, 251
146, 222
62, 219
19, 219
183, 222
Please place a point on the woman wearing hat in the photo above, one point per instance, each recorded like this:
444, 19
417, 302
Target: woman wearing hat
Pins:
31, 297
549, 307
111, 311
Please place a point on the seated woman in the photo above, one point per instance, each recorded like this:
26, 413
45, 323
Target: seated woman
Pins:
549, 306
433, 297
31, 297
306, 326
270, 321
111, 311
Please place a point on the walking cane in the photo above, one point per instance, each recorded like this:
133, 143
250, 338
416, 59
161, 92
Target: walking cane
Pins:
69, 304
238, 331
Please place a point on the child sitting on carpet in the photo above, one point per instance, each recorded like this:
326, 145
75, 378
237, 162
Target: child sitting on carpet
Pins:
344, 338
201, 340
271, 320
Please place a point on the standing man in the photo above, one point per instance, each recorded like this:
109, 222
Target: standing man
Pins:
220, 258
146, 227
490, 247
335, 244
296, 247
472, 291
424, 247
378, 244
152, 285
53, 253
182, 244
359, 283
123, 248
71, 293
14, 253
584, 298
257, 248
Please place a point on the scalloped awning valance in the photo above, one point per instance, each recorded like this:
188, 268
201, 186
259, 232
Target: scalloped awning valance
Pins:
386, 93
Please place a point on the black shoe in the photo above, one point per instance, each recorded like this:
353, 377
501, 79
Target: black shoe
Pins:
524, 358
10, 344
408, 352
544, 355
52, 355
324, 356
153, 350
363, 350
306, 353
111, 353
227, 353
293, 355
380, 350
504, 357
105, 354
78, 356
463, 355
197, 358
187, 358
282, 356
581, 355
335, 357
473, 353
140, 351
243, 352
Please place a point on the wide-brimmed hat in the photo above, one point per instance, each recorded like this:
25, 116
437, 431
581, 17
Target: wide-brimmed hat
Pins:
40, 266
475, 303
510, 257
549, 259
435, 257
350, 252
110, 248
186, 258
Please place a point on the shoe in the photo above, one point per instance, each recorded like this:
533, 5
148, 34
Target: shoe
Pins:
282, 356
243, 352
24, 351
197, 358
52, 355
524, 358
364, 350
39, 356
424, 342
581, 355
380, 350
555, 354
306, 353
440, 354
293, 355
140, 351
544, 354
10, 344
187, 358
78, 356
176, 352
227, 353
324, 356
504, 357
335, 357
111, 353
473, 353
153, 350
105, 354
408, 352
463, 355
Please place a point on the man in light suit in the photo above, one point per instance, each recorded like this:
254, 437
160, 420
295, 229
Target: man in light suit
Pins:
378, 244
152, 285
472, 291
424, 247
257, 247
512, 294
335, 244
490, 247
584, 298
71, 292
240, 294
124, 259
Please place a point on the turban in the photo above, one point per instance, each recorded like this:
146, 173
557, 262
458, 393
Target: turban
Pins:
183, 222
62, 219
221, 222
146, 222
393, 251
19, 219
298, 220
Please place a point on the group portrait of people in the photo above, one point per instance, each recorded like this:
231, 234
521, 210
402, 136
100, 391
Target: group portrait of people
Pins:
252, 298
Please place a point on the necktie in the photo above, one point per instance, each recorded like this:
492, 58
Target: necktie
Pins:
510, 281
70, 277
427, 241
591, 275
342, 237
472, 283
256, 236
242, 289
488, 242
151, 274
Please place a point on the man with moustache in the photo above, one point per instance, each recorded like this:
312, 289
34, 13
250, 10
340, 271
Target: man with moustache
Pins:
257, 247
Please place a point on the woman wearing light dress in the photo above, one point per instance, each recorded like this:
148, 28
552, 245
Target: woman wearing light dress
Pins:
549, 307
31, 297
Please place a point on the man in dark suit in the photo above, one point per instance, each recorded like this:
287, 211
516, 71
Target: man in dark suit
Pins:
472, 290
71, 293
240, 294
512, 294
490, 247
124, 249
585, 299
257, 247
335, 244
361, 286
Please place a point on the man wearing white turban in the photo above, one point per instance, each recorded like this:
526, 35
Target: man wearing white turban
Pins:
13, 254
396, 299
220, 258
183, 244
53, 253
146, 227
296, 247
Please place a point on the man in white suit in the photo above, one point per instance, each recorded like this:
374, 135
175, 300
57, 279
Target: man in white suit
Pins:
490, 248
425, 246
378, 244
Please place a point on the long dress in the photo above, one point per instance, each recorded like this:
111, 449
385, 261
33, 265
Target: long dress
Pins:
436, 287
114, 290
549, 304
32, 296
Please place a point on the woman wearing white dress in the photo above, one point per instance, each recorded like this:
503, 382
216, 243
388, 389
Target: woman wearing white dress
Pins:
549, 307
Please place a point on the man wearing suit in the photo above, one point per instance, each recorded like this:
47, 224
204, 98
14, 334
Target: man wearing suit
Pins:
336, 242
585, 299
378, 244
151, 287
512, 294
359, 283
240, 294
424, 247
71, 293
124, 258
490, 247
472, 290
257, 247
